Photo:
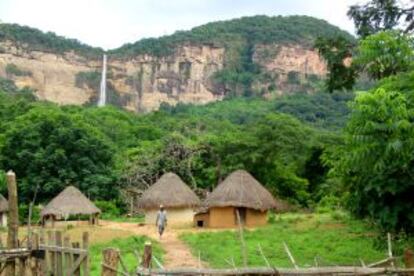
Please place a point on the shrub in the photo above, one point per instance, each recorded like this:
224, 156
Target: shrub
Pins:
24, 214
12, 69
108, 208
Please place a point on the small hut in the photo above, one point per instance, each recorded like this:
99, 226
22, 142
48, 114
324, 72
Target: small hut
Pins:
239, 193
176, 197
4, 208
70, 202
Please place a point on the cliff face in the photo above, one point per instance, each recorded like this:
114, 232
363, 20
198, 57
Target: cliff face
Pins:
142, 83
52, 76
288, 68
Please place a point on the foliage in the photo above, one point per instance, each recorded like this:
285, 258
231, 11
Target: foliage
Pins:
376, 159
335, 51
200, 143
229, 33
384, 54
24, 214
127, 246
12, 69
306, 235
380, 15
49, 150
36, 40
108, 208
91, 79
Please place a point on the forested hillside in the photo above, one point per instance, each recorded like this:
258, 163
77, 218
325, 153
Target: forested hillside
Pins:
239, 33
103, 150
37, 40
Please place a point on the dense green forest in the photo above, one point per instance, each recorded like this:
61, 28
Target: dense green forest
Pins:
279, 141
238, 33
36, 40
337, 148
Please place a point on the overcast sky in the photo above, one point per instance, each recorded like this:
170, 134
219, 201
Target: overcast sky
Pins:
111, 23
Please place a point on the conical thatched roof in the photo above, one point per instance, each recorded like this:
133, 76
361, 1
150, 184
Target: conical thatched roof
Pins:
169, 191
241, 189
4, 204
70, 201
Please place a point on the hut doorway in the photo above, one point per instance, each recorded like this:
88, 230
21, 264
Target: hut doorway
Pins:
242, 213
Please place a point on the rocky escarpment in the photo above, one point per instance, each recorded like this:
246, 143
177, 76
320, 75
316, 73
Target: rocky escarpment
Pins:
256, 55
142, 83
146, 81
51, 75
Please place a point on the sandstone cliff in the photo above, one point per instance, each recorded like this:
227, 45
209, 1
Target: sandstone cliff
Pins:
144, 82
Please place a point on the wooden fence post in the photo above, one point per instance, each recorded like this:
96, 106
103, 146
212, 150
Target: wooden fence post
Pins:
42, 263
50, 258
146, 258
13, 219
242, 243
85, 245
110, 262
67, 259
59, 255
75, 258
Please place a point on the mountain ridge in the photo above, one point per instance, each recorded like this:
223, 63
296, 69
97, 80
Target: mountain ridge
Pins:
258, 55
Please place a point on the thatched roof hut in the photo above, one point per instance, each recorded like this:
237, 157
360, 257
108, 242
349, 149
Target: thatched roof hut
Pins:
4, 204
70, 201
169, 191
239, 199
241, 189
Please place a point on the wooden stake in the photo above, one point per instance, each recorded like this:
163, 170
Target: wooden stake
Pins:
85, 245
146, 258
77, 272
67, 258
390, 249
110, 262
290, 255
13, 219
59, 255
263, 256
243, 245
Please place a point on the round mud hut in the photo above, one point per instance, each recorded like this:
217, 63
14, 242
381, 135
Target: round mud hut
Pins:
70, 202
4, 209
177, 198
240, 197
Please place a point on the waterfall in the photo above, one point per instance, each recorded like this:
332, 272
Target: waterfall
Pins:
102, 94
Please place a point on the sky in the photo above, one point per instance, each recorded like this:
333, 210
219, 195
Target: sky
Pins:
112, 23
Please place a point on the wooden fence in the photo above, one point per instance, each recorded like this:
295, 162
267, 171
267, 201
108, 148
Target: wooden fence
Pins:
50, 254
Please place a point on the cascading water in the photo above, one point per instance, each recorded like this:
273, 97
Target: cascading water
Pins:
102, 94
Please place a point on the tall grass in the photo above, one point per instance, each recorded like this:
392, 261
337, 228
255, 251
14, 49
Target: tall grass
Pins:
329, 239
126, 247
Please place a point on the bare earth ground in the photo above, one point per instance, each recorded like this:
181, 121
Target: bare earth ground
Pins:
177, 254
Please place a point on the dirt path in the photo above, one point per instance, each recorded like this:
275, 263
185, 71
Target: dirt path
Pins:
177, 254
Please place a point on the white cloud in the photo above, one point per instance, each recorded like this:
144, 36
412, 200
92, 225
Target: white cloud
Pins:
111, 23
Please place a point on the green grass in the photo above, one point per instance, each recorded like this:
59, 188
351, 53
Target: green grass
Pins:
126, 247
335, 240
134, 219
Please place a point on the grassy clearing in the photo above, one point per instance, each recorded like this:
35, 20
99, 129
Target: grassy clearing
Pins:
134, 219
127, 247
334, 238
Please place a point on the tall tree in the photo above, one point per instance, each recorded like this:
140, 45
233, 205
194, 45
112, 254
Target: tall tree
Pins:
337, 51
376, 161
49, 150
385, 54
380, 15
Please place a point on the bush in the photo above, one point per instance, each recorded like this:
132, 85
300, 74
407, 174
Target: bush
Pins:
12, 69
24, 214
108, 208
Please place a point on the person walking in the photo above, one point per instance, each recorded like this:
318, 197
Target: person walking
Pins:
161, 221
